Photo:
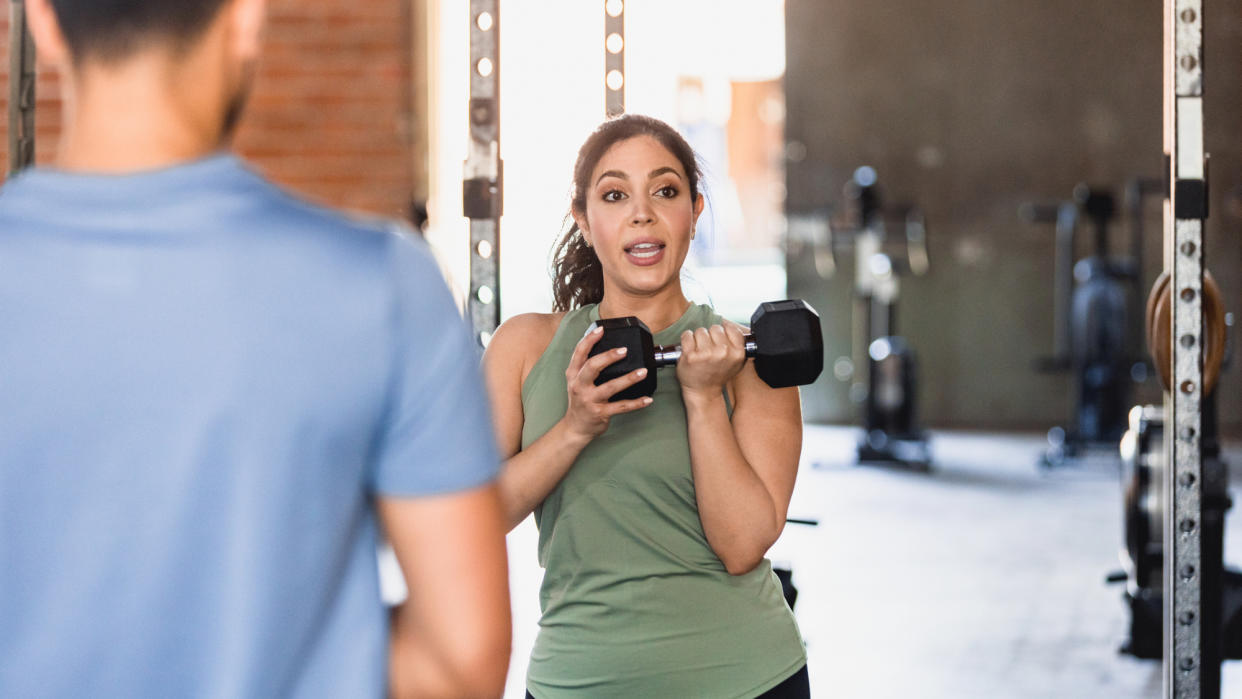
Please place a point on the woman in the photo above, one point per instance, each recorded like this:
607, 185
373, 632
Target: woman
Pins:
654, 514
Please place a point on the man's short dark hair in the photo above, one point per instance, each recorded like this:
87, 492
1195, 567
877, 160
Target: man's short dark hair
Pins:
110, 30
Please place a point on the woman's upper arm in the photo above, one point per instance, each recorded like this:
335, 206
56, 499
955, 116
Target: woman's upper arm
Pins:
509, 355
767, 423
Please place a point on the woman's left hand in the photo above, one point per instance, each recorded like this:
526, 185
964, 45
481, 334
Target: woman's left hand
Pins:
710, 357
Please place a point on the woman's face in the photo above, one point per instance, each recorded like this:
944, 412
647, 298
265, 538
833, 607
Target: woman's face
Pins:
639, 216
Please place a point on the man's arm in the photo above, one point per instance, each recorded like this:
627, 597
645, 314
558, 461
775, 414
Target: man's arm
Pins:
451, 637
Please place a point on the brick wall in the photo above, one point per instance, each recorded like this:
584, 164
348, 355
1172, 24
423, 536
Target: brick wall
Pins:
329, 114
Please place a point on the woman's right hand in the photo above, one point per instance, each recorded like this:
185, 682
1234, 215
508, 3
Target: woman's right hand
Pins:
589, 410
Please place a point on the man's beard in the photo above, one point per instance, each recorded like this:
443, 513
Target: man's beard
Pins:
237, 104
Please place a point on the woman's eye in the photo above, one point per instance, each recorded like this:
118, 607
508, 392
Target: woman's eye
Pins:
668, 191
613, 195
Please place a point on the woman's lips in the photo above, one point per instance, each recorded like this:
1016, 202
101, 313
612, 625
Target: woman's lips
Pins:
645, 254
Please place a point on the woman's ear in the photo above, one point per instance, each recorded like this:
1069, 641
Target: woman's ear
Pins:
580, 221
699, 203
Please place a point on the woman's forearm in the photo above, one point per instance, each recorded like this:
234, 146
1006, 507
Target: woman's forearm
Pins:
528, 476
739, 515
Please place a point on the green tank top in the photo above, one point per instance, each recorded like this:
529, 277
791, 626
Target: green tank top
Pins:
635, 602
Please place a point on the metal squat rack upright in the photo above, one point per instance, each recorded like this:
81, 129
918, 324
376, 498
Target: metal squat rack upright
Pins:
614, 57
21, 90
483, 184
1186, 674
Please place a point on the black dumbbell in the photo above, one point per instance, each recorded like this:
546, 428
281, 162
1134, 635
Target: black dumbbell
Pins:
785, 341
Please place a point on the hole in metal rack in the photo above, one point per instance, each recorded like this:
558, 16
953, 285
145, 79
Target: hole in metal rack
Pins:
1188, 341
1187, 618
1188, 572
1187, 480
1188, 248
614, 8
485, 295
1187, 525
1188, 433
1188, 294
485, 21
1187, 664
484, 248
614, 43
615, 80
1188, 15
1188, 387
484, 67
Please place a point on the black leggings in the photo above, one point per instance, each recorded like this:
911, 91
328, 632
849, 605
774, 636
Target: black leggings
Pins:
797, 686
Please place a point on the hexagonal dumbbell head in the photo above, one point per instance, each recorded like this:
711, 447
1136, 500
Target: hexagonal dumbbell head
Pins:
628, 332
789, 344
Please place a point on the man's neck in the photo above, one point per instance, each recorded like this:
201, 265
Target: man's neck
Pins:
136, 116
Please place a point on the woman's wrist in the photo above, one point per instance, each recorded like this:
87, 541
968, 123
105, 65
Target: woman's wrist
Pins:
572, 439
702, 398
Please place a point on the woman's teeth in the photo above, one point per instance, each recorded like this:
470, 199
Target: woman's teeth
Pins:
645, 250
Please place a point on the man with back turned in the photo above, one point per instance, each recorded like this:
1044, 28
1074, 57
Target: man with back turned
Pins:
216, 398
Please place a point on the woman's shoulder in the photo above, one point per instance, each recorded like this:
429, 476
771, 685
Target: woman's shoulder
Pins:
526, 332
520, 340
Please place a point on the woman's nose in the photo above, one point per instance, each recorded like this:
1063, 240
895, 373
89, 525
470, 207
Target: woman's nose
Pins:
641, 213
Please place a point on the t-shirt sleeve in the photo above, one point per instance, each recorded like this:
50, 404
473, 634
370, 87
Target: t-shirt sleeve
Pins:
437, 433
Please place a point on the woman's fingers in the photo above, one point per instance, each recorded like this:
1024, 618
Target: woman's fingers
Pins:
594, 365
615, 386
735, 335
688, 344
582, 350
626, 406
720, 340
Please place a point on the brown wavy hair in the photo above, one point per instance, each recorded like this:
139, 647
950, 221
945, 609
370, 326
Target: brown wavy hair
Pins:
577, 277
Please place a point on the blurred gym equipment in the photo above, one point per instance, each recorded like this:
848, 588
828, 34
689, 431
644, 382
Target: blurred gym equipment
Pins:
1144, 454
889, 388
1142, 554
1093, 309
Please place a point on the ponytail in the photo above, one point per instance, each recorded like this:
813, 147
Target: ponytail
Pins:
577, 276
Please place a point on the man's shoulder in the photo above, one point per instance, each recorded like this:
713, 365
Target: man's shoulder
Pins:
301, 214
285, 215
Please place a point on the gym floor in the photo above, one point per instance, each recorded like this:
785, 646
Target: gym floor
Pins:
984, 578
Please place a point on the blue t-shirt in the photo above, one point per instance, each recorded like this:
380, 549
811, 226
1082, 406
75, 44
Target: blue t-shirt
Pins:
204, 384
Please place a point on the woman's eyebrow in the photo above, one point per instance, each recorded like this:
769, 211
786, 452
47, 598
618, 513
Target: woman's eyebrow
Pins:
612, 173
654, 174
